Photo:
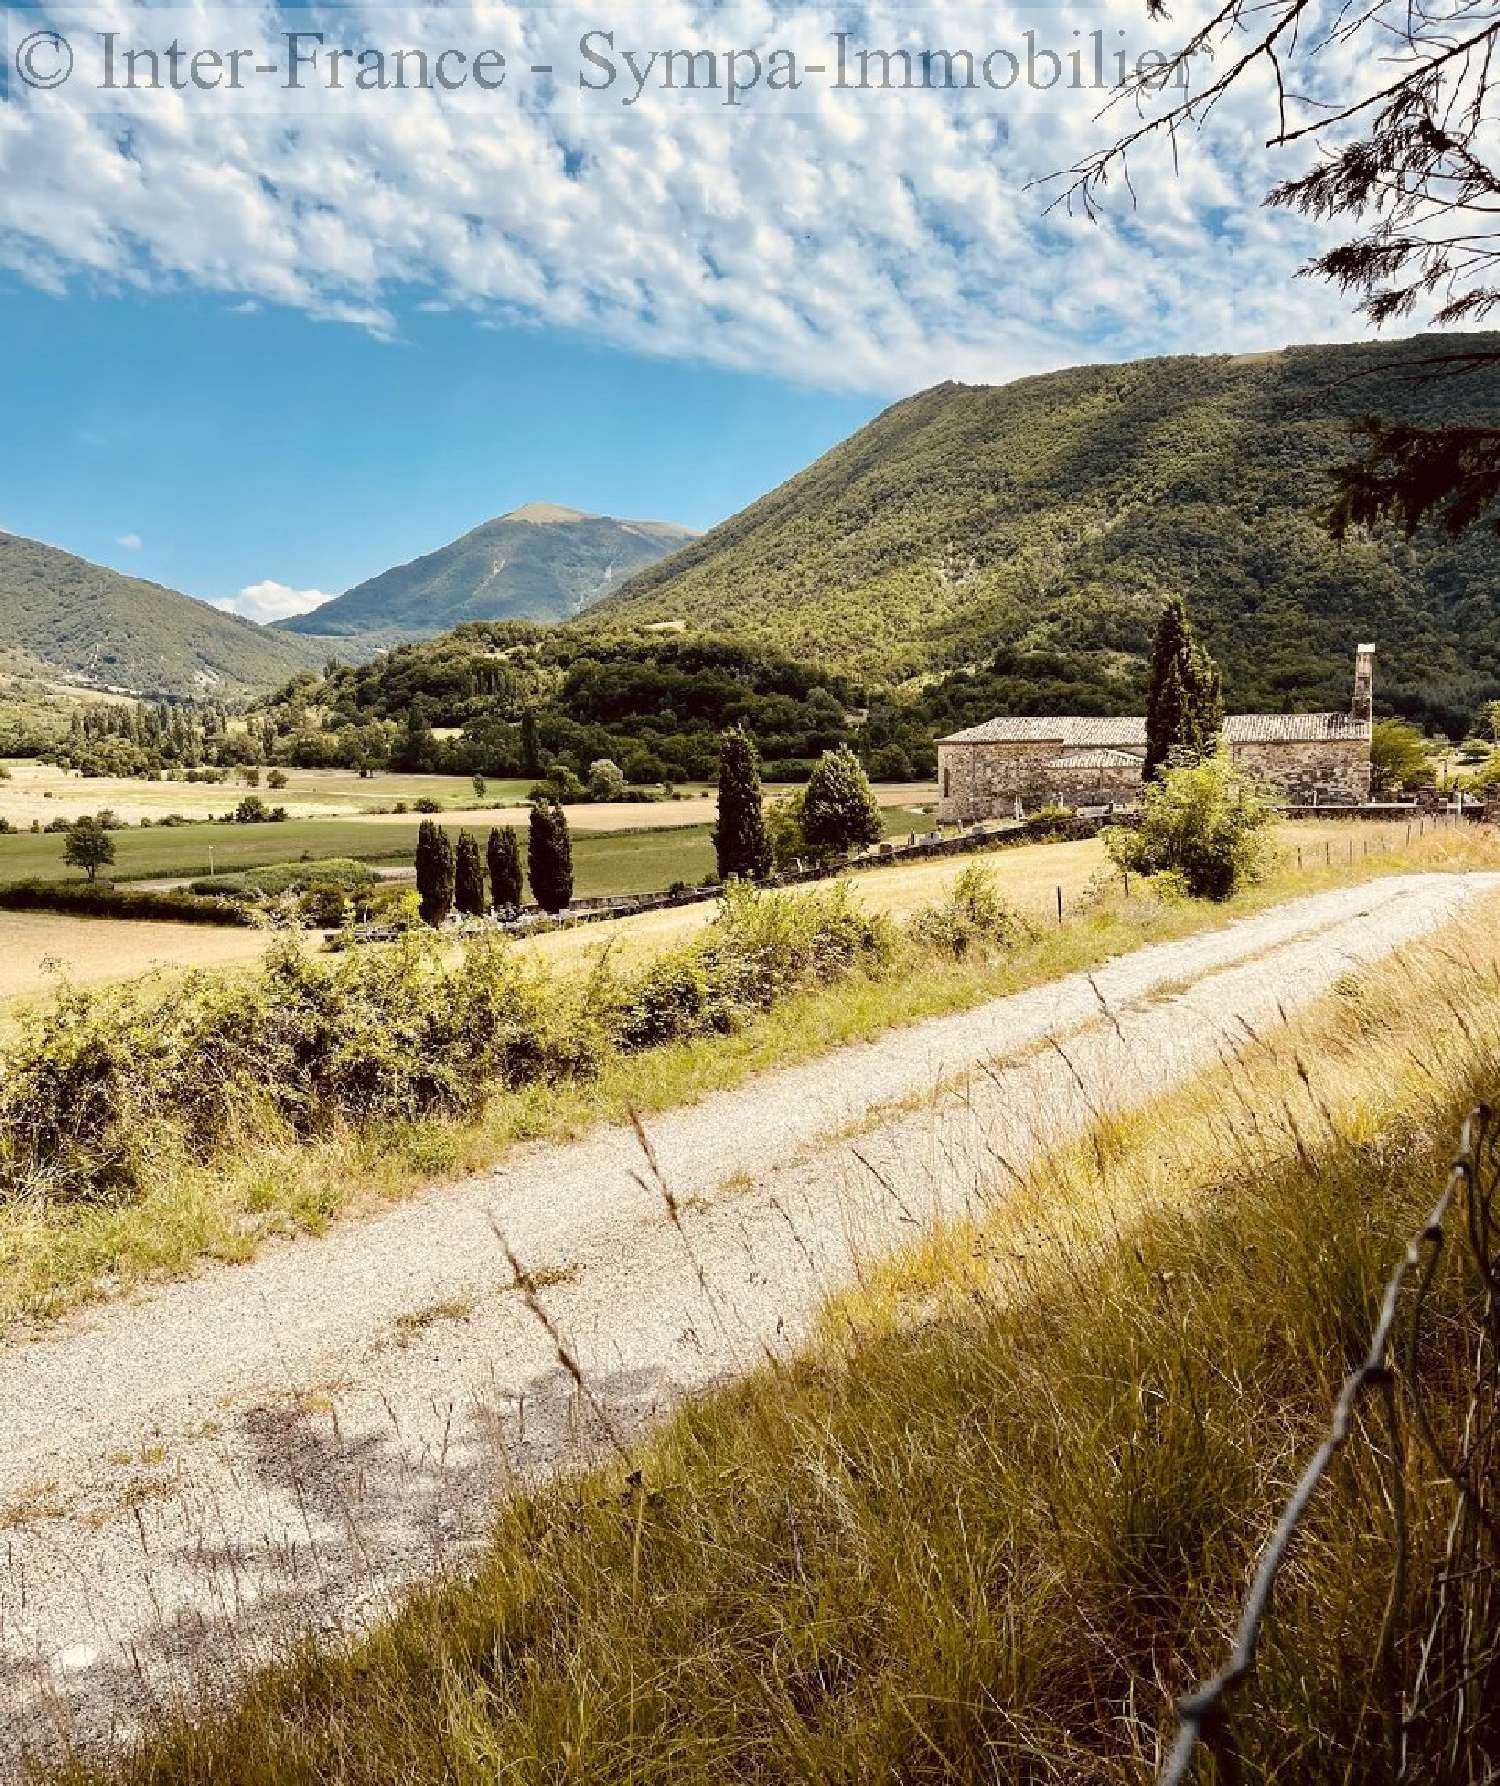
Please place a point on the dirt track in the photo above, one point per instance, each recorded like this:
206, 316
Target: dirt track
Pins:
193, 1478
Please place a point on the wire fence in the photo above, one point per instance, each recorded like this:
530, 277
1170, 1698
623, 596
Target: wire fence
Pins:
1436, 1668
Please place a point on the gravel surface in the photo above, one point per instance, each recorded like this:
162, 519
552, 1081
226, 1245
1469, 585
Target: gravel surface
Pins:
191, 1478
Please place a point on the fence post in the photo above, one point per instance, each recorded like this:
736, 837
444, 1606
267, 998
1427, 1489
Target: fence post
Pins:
1059, 905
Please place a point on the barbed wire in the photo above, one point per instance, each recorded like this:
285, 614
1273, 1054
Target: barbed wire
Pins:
1458, 1659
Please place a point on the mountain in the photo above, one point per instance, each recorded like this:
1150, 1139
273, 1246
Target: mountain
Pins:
89, 624
1038, 526
539, 562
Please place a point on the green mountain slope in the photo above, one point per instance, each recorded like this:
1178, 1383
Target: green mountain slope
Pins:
84, 621
539, 562
1041, 524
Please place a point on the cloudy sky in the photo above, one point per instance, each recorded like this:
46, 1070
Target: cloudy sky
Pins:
264, 342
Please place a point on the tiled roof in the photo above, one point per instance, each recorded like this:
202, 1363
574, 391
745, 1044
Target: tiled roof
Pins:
1099, 758
1294, 728
1084, 733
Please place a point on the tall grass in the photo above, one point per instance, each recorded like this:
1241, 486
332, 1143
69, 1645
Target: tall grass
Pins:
1004, 1506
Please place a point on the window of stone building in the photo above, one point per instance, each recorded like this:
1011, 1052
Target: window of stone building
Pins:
945, 781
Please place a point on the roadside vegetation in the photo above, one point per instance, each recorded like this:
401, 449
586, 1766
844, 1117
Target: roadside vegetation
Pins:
1003, 1507
317, 1086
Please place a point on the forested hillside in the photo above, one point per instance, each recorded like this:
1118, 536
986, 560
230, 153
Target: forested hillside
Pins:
523, 698
87, 621
1051, 516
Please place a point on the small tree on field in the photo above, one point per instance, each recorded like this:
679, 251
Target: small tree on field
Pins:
1491, 719
549, 856
741, 846
503, 858
606, 779
468, 878
276, 780
1184, 697
481, 786
435, 872
838, 808
1202, 823
88, 846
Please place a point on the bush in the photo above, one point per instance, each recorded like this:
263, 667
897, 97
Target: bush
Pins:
286, 877
972, 920
387, 1034
838, 810
1203, 824
324, 906
759, 949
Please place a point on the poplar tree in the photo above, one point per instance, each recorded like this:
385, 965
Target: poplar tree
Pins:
435, 868
503, 855
549, 856
740, 843
468, 878
1184, 697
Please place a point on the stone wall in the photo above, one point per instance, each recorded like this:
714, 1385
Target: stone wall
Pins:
1332, 772
983, 781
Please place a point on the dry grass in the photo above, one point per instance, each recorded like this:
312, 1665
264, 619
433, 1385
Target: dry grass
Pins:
37, 949
53, 1257
1004, 1507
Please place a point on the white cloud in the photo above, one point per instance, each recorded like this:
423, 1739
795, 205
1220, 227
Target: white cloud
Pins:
862, 241
270, 601
130, 541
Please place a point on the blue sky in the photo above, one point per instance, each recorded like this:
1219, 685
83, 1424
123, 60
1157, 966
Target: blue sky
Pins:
279, 341
240, 448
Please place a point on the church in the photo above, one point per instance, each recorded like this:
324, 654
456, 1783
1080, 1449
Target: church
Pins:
1308, 759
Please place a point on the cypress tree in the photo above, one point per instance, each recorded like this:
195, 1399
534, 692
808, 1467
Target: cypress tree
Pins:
740, 844
434, 872
468, 878
838, 808
503, 855
1184, 697
549, 856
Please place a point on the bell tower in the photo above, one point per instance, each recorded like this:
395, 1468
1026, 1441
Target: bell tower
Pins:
1364, 684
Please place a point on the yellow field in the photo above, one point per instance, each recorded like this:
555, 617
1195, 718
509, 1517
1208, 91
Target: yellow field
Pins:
39, 949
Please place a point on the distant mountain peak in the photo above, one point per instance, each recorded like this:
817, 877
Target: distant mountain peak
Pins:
542, 561
547, 514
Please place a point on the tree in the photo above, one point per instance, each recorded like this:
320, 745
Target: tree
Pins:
88, 846
531, 744
1491, 719
1398, 757
1401, 101
1184, 696
606, 779
276, 780
503, 856
468, 878
435, 872
838, 808
481, 786
1202, 823
549, 856
740, 843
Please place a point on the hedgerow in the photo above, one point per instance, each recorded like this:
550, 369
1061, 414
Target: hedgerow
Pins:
98, 899
99, 1082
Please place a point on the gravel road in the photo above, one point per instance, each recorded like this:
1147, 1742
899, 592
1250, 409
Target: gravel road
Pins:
192, 1477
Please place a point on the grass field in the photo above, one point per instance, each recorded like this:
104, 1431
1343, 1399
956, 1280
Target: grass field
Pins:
617, 849
1004, 1507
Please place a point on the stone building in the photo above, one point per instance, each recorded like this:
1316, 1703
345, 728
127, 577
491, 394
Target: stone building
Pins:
1309, 759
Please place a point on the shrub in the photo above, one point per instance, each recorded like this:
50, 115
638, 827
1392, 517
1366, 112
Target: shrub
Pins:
973, 919
287, 877
760, 948
606, 780
324, 906
1203, 823
277, 780
426, 805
